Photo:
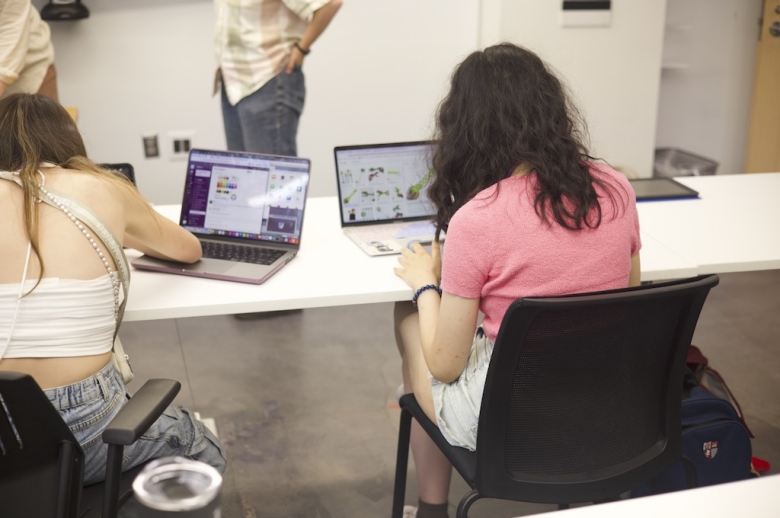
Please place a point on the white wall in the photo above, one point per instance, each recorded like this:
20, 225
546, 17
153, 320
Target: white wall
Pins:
705, 103
378, 75
375, 75
612, 71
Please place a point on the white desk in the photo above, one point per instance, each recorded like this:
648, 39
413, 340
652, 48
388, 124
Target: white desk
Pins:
755, 498
329, 270
733, 227
659, 262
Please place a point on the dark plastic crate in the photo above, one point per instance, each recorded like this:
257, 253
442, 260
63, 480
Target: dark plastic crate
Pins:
670, 162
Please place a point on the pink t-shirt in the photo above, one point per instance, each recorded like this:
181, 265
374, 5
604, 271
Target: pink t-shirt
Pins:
498, 249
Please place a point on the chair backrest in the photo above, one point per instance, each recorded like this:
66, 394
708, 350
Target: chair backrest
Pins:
41, 463
582, 398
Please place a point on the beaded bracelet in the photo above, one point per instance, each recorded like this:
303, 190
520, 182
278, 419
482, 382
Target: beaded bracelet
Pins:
422, 289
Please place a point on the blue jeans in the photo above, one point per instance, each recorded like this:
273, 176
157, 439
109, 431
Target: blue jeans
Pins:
89, 405
267, 120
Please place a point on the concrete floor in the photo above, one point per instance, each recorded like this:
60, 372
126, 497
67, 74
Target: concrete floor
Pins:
304, 401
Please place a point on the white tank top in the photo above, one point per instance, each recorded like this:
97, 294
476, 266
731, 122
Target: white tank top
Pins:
63, 317
60, 318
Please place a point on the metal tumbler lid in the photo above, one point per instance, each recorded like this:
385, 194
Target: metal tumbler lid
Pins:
177, 484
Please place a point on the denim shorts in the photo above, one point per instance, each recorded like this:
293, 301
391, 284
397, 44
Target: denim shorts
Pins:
89, 405
457, 404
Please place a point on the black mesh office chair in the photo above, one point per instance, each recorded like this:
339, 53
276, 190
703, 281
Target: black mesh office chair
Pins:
582, 397
42, 464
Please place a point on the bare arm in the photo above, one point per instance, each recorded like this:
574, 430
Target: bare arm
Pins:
319, 22
634, 277
447, 323
447, 332
151, 233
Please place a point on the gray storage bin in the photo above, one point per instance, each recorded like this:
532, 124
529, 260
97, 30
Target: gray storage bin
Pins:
670, 162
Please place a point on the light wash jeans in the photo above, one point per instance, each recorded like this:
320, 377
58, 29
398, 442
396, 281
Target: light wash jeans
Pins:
267, 120
88, 407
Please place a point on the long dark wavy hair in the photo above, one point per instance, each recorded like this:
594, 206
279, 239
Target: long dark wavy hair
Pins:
506, 108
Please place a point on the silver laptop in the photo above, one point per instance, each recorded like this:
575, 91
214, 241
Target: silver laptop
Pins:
247, 211
383, 195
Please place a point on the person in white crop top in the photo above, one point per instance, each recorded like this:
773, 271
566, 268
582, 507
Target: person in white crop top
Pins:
57, 300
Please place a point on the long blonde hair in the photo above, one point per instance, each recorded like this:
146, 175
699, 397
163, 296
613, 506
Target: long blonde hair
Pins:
36, 129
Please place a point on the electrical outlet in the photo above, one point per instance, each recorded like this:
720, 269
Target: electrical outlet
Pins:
151, 145
180, 144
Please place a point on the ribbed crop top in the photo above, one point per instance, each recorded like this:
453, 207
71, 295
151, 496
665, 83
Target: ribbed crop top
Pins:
63, 317
60, 318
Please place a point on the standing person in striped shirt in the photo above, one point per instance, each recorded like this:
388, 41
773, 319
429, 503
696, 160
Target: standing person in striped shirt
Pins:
260, 48
26, 52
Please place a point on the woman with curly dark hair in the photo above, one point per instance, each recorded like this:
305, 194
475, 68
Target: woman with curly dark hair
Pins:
527, 212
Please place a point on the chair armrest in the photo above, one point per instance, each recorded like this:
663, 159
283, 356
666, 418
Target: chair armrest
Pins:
141, 411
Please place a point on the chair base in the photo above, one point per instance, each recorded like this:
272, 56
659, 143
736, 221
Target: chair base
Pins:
92, 495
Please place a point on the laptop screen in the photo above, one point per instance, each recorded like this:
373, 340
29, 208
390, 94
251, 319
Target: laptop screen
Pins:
384, 182
245, 195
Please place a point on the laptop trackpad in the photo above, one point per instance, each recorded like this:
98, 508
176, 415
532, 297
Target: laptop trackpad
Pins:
250, 270
203, 266
207, 265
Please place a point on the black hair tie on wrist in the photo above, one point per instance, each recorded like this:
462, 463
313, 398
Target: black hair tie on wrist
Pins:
304, 52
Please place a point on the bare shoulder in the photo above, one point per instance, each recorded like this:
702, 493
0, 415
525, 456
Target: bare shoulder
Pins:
85, 183
104, 196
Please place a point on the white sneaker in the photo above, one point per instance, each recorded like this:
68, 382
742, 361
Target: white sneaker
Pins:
410, 511
208, 422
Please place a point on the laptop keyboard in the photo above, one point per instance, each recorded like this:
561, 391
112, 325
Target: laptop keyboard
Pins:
377, 232
395, 230
241, 253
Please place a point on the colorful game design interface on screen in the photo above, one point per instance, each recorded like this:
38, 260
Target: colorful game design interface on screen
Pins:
384, 183
245, 196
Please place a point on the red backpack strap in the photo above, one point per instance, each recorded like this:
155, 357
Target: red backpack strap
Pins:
696, 359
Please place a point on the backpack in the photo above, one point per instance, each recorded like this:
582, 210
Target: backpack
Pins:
714, 436
711, 381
